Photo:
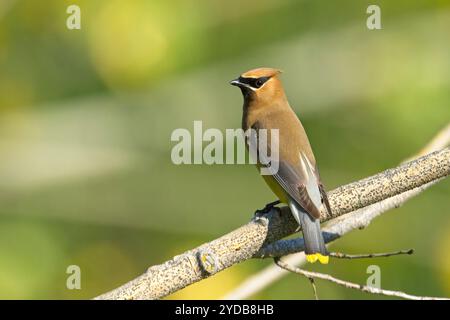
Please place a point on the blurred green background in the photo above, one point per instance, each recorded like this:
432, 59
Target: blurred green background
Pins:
86, 117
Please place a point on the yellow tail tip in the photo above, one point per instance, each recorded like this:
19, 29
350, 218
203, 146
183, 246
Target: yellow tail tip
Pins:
323, 259
311, 258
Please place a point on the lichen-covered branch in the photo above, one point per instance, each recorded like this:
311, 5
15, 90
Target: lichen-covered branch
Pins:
248, 240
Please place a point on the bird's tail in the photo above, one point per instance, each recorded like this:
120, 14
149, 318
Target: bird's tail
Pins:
314, 244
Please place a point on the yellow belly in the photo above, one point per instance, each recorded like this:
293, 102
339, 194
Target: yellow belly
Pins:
276, 188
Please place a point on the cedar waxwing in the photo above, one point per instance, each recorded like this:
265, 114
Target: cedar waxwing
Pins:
296, 182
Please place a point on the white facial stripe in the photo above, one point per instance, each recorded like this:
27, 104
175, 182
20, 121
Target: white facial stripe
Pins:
248, 86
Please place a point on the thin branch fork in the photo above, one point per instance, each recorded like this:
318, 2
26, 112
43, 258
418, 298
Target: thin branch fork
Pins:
247, 241
350, 285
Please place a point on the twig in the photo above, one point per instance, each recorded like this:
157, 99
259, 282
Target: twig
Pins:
341, 255
351, 221
350, 285
313, 284
264, 278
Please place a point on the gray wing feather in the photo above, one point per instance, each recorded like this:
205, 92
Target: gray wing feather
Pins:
307, 194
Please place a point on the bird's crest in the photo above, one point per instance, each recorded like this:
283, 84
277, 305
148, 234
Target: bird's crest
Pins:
261, 72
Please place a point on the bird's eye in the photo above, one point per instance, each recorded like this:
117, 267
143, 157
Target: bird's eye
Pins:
259, 83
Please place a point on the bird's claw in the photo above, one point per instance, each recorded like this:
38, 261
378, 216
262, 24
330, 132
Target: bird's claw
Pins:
266, 209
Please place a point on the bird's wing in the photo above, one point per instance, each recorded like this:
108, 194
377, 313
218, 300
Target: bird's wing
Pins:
301, 180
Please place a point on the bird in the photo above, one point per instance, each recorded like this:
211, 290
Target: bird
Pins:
297, 181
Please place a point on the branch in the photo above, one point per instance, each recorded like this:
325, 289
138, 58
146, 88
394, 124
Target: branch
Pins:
351, 221
373, 290
246, 241
340, 255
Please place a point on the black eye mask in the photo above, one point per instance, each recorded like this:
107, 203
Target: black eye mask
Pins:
255, 83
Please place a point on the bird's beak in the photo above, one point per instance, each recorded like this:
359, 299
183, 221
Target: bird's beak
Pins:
236, 83
241, 85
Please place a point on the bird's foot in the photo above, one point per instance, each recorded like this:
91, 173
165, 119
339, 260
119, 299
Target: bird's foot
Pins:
266, 209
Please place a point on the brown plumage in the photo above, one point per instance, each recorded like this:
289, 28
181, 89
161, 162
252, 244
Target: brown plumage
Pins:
266, 107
